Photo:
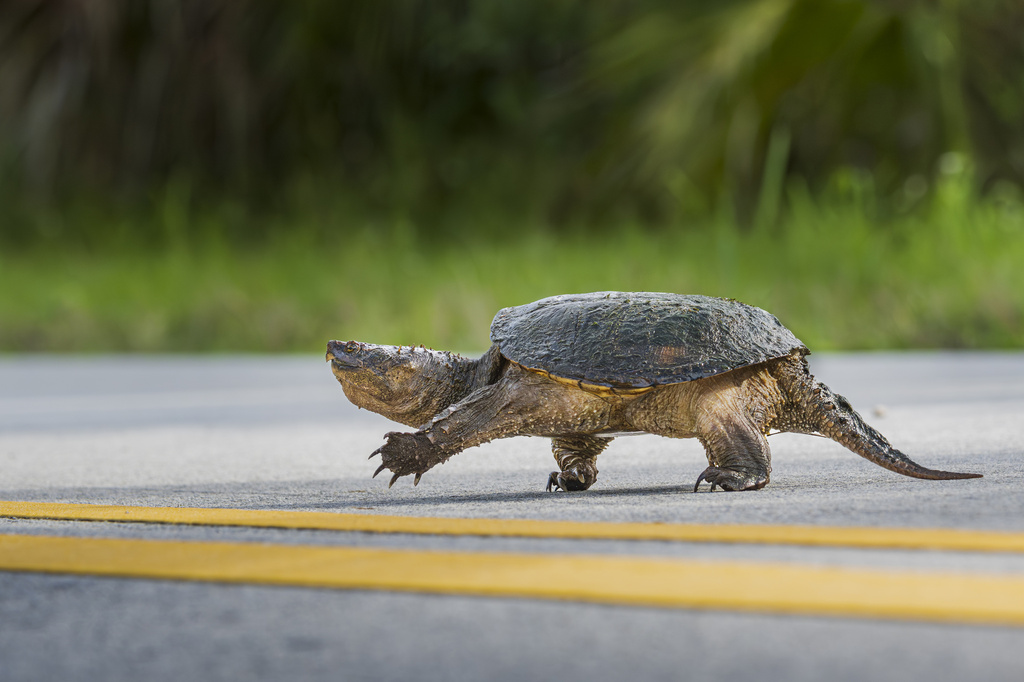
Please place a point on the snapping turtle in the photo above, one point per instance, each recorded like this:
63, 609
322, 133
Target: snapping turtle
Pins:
583, 368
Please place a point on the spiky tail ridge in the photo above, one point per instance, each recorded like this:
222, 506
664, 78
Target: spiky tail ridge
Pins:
815, 407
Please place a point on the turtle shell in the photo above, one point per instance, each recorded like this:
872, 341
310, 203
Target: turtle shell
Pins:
636, 340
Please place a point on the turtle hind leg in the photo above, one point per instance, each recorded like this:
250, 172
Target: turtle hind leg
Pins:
576, 457
738, 454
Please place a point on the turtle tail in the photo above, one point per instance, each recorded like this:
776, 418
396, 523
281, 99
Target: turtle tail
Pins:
816, 408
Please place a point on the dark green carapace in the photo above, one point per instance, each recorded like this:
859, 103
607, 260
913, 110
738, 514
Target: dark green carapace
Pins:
637, 340
582, 369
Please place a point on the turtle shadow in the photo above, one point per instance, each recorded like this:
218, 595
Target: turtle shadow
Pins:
322, 495
441, 498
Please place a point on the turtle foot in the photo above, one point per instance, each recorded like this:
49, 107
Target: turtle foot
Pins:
573, 478
407, 453
729, 479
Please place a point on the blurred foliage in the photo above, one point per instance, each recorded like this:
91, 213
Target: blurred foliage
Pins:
442, 113
947, 276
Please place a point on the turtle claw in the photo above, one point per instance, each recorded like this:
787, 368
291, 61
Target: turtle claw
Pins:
407, 453
567, 481
729, 479
416, 481
700, 479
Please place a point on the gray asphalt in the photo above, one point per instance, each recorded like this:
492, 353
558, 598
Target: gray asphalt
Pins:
277, 433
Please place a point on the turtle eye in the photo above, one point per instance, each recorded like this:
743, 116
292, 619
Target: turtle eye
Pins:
351, 346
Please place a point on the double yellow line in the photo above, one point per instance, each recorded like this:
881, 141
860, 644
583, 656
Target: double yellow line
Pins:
813, 536
639, 581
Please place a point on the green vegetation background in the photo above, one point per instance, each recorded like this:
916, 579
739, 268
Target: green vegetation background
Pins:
261, 176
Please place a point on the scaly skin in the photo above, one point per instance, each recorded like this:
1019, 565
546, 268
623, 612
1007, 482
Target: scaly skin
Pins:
458, 403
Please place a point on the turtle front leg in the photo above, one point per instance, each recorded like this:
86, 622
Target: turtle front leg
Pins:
521, 403
576, 457
476, 419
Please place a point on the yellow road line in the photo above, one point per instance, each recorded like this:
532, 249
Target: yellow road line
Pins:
821, 536
770, 588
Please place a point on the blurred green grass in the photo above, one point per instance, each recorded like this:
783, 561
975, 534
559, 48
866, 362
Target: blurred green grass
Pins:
253, 176
942, 275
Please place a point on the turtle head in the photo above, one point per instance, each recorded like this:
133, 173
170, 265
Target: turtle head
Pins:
405, 384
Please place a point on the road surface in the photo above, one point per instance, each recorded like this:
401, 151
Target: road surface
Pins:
273, 433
